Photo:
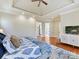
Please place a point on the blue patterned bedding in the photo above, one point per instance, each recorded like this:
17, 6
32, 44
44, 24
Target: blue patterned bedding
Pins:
30, 49
26, 53
45, 48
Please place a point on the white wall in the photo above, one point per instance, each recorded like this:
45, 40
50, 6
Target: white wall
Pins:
70, 19
18, 25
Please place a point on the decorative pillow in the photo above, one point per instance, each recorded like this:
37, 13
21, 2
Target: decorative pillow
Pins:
2, 49
15, 41
9, 45
2, 36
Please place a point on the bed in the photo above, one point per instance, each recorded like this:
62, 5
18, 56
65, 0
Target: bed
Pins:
30, 48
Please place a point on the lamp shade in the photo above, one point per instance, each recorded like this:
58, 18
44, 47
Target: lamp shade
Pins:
1, 30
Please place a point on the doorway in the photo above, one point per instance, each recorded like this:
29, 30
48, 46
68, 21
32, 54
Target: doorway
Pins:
47, 32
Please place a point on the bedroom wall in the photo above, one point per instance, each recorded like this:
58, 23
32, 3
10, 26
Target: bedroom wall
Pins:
18, 24
70, 19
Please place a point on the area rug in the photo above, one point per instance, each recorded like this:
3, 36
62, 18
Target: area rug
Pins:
59, 53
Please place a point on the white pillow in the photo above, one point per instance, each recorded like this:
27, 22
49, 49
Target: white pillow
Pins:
8, 45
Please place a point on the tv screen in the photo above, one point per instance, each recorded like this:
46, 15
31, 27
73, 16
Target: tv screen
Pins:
68, 29
72, 29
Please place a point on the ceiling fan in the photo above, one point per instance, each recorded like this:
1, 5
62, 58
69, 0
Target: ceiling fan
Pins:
40, 2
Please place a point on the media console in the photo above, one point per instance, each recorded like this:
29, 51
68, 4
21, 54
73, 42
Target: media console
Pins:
69, 39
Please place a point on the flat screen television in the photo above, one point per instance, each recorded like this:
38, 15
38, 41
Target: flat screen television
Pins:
72, 29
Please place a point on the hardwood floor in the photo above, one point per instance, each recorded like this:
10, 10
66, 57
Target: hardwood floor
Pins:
54, 41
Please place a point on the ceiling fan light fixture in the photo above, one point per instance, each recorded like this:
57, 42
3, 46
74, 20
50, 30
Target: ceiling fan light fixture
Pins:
40, 2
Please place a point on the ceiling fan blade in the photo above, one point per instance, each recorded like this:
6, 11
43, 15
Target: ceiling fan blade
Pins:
39, 3
45, 2
34, 0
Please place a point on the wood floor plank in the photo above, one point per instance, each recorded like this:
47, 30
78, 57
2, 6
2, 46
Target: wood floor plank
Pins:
54, 41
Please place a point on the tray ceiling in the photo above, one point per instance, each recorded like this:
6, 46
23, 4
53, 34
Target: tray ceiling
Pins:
32, 7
